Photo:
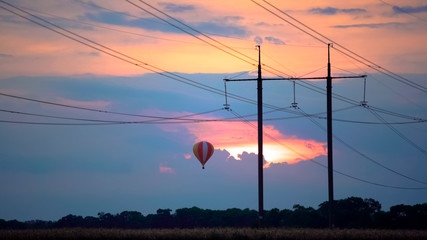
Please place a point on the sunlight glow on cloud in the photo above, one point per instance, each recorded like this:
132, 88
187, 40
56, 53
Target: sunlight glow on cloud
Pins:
239, 137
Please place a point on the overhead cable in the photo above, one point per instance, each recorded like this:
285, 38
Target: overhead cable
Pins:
345, 50
138, 63
339, 172
349, 146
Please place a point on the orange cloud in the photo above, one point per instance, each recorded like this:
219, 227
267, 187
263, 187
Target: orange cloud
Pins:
239, 137
180, 52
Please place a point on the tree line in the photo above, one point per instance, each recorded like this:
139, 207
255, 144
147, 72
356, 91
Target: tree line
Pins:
352, 212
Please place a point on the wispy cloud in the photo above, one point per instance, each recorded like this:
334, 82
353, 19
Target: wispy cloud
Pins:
121, 20
3, 55
94, 54
223, 26
222, 29
369, 25
172, 7
275, 41
231, 19
164, 169
399, 10
334, 11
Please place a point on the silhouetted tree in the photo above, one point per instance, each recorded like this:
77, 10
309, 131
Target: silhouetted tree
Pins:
11, 224
235, 217
404, 216
272, 218
189, 217
130, 219
107, 220
352, 212
91, 222
39, 224
286, 218
70, 221
305, 217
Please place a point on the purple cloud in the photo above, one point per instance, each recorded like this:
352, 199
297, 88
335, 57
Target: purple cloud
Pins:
172, 7
334, 11
274, 41
3, 55
369, 25
409, 10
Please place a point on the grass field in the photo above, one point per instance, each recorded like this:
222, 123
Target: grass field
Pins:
212, 233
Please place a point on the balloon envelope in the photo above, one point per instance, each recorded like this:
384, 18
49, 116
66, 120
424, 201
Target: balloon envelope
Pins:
203, 151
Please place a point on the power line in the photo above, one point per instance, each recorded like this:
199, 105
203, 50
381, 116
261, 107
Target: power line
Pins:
58, 124
252, 60
182, 29
101, 122
188, 26
170, 75
199, 32
59, 32
185, 118
112, 29
339, 172
369, 182
317, 89
147, 66
384, 111
403, 10
158, 22
303, 75
153, 119
360, 153
397, 132
122, 56
370, 63
385, 85
348, 52
95, 110
277, 62
127, 58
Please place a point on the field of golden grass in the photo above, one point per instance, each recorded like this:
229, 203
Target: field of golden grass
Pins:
212, 233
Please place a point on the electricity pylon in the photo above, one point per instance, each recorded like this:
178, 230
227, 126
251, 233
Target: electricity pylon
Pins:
259, 80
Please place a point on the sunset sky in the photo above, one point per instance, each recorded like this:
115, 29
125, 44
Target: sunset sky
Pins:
101, 103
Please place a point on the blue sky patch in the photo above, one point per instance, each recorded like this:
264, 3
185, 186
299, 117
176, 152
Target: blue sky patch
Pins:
224, 30
155, 25
120, 20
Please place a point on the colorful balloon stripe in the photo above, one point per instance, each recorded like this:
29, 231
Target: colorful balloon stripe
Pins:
203, 151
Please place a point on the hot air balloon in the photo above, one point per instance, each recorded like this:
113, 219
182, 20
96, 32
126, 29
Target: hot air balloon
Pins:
203, 151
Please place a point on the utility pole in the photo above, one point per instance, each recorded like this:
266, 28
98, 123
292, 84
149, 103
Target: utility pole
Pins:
330, 136
260, 145
259, 80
